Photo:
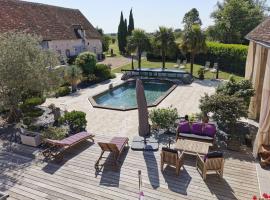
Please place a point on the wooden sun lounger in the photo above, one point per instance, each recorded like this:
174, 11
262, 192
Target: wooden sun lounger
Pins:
264, 155
115, 146
58, 147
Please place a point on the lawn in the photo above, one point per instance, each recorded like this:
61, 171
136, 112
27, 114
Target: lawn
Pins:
115, 50
148, 64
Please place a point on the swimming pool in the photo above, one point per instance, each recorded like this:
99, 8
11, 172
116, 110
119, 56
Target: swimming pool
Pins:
123, 97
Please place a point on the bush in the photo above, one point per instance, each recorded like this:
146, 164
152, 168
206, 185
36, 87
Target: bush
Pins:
87, 62
201, 73
163, 118
230, 57
33, 113
226, 109
71, 60
242, 89
103, 72
76, 121
62, 91
32, 102
54, 133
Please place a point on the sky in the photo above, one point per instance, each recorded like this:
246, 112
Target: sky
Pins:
148, 14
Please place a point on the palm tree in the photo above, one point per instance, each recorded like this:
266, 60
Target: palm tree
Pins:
193, 43
73, 75
164, 41
138, 42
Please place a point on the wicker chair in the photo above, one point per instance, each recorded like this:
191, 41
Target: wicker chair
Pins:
210, 164
171, 157
264, 155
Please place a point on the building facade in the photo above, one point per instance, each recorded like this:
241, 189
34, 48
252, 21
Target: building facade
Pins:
63, 30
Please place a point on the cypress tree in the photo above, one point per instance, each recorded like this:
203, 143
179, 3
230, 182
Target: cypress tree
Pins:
130, 23
125, 35
121, 34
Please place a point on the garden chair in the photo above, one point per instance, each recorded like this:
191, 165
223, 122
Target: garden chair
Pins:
214, 70
115, 146
264, 155
210, 162
58, 147
171, 157
207, 66
183, 66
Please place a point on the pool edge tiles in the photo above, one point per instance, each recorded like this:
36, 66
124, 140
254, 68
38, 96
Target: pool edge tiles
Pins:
155, 103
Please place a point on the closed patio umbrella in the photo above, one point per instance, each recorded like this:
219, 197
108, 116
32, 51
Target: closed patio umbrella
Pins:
142, 110
263, 135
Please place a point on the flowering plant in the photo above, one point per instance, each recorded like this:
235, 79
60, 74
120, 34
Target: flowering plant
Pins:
264, 197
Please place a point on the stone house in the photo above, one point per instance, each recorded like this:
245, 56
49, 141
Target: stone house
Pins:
63, 30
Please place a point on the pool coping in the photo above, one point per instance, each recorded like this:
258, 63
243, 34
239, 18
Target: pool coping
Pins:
154, 104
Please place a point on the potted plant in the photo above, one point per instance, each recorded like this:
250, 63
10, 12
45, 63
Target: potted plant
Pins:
164, 118
30, 138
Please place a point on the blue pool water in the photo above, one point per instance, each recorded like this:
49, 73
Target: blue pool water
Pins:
124, 96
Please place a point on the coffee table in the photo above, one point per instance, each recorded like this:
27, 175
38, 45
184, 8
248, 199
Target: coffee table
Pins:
192, 147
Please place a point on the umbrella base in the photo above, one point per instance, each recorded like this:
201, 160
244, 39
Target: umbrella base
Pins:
144, 144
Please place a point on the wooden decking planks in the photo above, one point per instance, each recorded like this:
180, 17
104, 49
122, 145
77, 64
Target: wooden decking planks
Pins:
75, 177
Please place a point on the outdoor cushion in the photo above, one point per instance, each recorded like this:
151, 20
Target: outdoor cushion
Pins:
198, 137
196, 128
184, 127
213, 154
119, 142
209, 130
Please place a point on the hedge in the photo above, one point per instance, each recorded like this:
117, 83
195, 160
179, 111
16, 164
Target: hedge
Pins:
230, 57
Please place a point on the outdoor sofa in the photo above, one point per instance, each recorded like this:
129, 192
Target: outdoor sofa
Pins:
196, 131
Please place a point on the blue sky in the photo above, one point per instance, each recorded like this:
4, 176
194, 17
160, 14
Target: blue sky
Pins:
148, 14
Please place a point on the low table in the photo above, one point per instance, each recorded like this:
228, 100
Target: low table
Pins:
192, 146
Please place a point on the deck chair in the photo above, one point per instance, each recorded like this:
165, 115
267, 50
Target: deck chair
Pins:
57, 148
115, 146
207, 66
183, 66
264, 155
207, 164
173, 158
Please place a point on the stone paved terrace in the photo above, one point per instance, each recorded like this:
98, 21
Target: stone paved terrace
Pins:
125, 123
26, 178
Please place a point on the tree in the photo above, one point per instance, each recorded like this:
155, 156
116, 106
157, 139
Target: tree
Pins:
125, 35
130, 23
87, 62
193, 43
73, 75
24, 68
121, 35
234, 19
164, 41
139, 42
191, 18
105, 39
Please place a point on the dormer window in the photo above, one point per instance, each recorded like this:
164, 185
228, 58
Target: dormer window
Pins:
79, 31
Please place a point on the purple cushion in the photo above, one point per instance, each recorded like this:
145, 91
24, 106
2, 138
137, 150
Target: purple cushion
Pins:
196, 128
209, 130
184, 127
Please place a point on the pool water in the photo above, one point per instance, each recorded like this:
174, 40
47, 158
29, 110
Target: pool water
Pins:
124, 96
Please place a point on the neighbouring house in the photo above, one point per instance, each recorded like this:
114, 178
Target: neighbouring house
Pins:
63, 30
258, 71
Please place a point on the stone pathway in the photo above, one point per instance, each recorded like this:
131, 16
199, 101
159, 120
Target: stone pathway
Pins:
125, 123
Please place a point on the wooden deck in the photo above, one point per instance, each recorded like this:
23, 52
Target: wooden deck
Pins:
23, 177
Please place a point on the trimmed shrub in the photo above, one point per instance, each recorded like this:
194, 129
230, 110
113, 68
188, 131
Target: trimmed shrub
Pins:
30, 103
62, 91
71, 60
87, 62
230, 57
76, 121
54, 133
33, 113
163, 118
103, 72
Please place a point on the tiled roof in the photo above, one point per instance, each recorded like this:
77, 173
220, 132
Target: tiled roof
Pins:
49, 22
261, 33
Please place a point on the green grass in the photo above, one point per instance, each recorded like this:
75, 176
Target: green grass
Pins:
148, 64
115, 50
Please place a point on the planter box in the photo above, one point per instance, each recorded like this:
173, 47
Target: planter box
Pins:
30, 138
3, 196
